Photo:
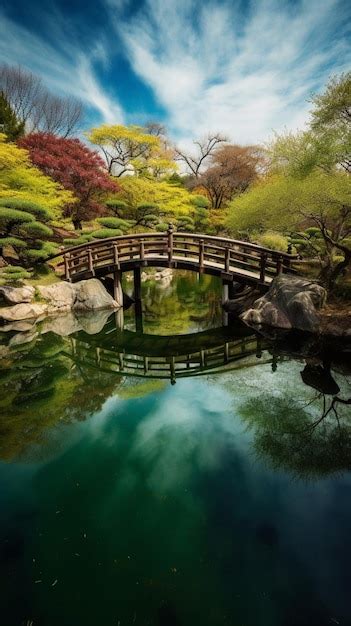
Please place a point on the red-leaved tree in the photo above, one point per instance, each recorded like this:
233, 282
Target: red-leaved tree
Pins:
77, 168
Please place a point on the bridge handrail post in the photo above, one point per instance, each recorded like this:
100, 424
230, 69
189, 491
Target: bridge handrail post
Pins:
90, 260
201, 254
170, 242
227, 259
279, 264
263, 266
142, 250
66, 262
115, 256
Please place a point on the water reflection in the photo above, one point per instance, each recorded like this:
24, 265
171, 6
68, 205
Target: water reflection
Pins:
52, 375
222, 499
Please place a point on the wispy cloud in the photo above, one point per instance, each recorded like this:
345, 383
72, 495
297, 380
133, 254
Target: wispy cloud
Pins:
63, 65
212, 67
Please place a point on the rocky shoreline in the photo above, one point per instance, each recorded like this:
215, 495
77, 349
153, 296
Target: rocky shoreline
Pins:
291, 303
29, 303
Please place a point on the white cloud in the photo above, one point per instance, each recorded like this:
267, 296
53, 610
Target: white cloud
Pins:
63, 66
213, 69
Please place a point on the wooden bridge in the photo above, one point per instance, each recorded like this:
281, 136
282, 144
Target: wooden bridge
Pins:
230, 259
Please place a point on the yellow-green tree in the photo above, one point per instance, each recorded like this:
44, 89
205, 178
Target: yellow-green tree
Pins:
319, 202
28, 202
20, 179
132, 149
149, 203
309, 186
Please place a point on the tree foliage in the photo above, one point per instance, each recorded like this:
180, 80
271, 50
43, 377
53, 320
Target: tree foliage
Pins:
291, 204
9, 124
21, 180
28, 201
77, 168
308, 192
331, 119
133, 150
21, 231
232, 169
149, 202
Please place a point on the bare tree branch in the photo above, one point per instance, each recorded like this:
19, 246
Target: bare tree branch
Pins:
205, 148
35, 106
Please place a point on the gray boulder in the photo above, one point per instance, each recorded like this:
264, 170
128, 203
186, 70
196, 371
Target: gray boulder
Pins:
63, 297
23, 312
91, 295
291, 302
16, 295
59, 296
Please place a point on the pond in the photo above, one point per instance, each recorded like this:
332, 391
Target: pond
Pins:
170, 471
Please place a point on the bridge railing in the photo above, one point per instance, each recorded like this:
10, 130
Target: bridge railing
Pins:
195, 363
202, 251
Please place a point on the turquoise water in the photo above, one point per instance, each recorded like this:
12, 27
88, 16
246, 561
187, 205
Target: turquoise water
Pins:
223, 499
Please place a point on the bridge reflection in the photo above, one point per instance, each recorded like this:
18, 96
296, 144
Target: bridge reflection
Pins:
173, 357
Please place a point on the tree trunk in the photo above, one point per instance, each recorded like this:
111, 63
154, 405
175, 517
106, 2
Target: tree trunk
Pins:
329, 274
77, 224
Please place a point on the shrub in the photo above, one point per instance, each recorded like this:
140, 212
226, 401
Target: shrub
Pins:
113, 222
199, 201
26, 205
161, 227
107, 232
77, 241
15, 242
13, 274
273, 240
36, 230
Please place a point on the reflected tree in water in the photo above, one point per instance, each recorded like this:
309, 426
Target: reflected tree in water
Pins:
308, 438
40, 388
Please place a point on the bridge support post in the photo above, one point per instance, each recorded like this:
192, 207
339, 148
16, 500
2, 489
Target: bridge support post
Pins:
117, 287
225, 297
138, 311
137, 283
225, 292
170, 243
119, 319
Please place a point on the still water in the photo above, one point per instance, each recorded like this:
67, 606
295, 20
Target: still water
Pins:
220, 499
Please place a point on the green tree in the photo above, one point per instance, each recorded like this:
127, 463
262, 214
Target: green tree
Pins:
331, 118
308, 191
309, 442
9, 124
289, 204
148, 203
24, 231
133, 149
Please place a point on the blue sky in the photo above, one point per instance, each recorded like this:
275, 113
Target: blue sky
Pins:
243, 68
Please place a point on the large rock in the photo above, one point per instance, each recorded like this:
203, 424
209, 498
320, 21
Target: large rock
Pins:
291, 302
16, 295
91, 295
60, 296
87, 295
23, 312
